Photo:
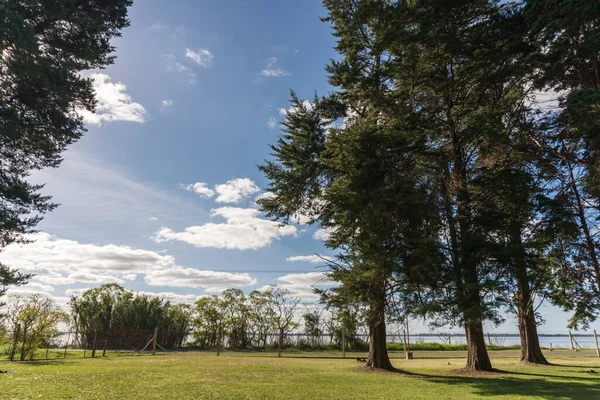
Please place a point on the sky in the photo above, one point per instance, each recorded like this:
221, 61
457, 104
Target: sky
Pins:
159, 195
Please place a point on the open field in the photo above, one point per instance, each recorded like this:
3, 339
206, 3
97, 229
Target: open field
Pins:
264, 376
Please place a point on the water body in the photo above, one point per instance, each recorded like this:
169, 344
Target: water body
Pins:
554, 341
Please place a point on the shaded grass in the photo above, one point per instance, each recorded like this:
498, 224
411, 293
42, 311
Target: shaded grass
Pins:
265, 376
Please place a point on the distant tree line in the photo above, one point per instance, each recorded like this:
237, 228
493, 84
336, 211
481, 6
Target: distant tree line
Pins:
114, 318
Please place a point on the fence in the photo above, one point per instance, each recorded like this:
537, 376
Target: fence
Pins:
133, 341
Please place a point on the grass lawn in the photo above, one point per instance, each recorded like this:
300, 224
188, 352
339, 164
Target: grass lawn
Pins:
264, 376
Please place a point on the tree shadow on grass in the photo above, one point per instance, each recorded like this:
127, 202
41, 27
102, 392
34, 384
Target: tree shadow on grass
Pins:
564, 387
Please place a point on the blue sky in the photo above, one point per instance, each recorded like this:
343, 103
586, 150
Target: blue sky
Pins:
194, 98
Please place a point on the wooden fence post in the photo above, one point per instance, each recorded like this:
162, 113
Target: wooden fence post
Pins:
596, 340
154, 340
571, 341
489, 339
47, 349
16, 335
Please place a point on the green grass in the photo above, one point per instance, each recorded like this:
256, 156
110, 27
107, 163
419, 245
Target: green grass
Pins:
264, 376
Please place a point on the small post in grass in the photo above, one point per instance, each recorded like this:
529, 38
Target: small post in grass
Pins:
154, 340
47, 349
596, 340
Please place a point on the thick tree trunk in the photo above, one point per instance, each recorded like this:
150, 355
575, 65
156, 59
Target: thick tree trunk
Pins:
378, 355
531, 352
591, 246
477, 355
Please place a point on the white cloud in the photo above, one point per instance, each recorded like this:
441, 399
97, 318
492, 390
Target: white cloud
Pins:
235, 190
243, 230
313, 259
271, 72
190, 277
76, 292
169, 296
201, 188
30, 287
272, 123
178, 67
323, 233
114, 104
63, 262
548, 100
302, 285
166, 103
202, 57
265, 195
290, 110
153, 219
174, 298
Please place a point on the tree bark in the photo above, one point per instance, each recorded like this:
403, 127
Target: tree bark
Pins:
585, 228
378, 354
477, 355
531, 352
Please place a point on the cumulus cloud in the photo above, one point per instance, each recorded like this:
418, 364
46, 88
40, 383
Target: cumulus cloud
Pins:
166, 103
313, 259
169, 296
114, 104
202, 57
30, 287
302, 285
63, 262
236, 190
243, 230
174, 298
188, 277
201, 188
265, 195
66, 262
272, 123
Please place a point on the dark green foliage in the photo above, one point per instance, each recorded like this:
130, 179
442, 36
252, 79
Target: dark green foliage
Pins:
44, 47
127, 320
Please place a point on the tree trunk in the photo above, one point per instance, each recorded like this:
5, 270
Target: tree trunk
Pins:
531, 352
591, 247
378, 355
477, 355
